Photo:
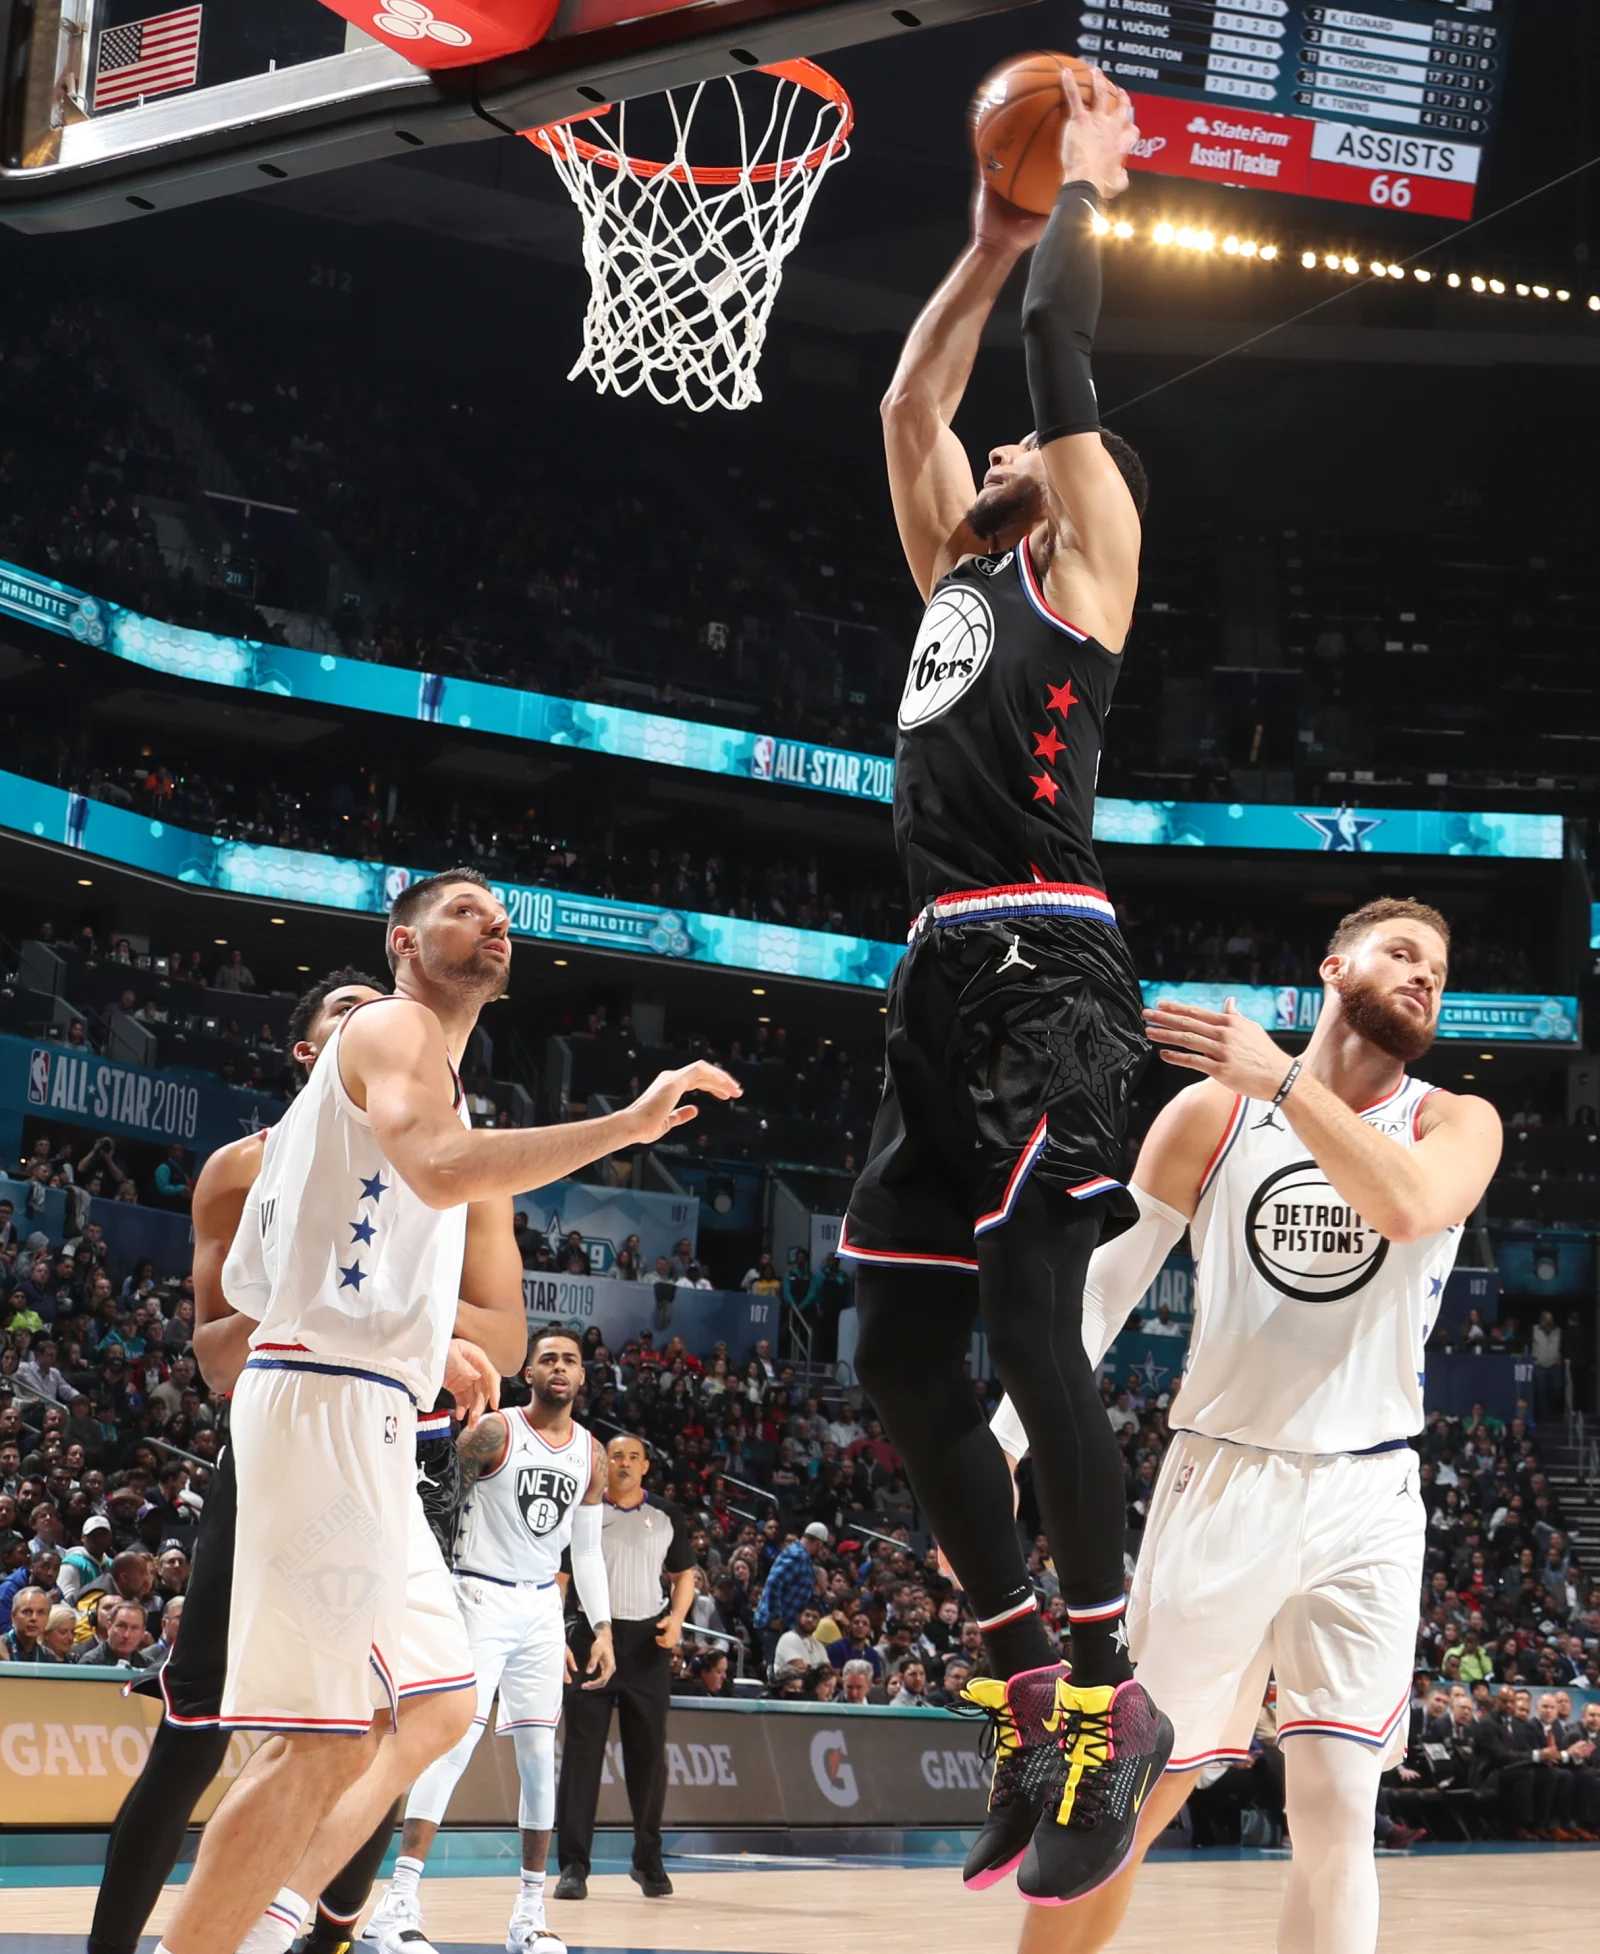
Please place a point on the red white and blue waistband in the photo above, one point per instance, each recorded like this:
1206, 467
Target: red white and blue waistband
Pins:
1015, 900
434, 1424
295, 1357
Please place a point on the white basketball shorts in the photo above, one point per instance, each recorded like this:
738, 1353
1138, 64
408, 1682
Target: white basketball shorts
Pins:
518, 1643
1306, 1566
340, 1602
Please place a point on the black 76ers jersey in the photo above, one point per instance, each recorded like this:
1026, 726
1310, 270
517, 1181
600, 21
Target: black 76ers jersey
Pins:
1000, 729
517, 1522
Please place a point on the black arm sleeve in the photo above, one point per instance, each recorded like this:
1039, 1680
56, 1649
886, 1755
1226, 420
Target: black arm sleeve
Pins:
1060, 311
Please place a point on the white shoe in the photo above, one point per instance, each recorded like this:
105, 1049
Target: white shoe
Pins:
528, 1934
396, 1925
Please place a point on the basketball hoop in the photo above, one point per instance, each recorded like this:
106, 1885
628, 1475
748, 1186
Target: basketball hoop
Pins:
684, 259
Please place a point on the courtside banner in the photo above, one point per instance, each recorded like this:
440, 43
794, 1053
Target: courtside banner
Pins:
353, 685
70, 1750
246, 868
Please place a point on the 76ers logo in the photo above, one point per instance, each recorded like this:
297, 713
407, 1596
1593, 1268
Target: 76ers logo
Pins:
952, 648
544, 1497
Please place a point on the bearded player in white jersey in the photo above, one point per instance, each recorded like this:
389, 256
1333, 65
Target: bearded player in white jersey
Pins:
349, 1259
535, 1480
1325, 1199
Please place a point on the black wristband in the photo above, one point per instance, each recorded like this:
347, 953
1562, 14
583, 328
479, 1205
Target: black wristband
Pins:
1287, 1087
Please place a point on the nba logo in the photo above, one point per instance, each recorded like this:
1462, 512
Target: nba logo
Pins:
38, 1077
1288, 1007
761, 760
395, 883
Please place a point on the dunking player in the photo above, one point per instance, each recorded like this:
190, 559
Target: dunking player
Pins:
353, 1231
1325, 1199
1014, 1029
535, 1482
188, 1748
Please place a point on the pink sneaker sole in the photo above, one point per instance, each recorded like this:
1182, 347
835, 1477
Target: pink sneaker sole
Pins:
1044, 1899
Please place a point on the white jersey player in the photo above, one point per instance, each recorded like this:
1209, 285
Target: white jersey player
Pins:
535, 1482
350, 1258
1325, 1199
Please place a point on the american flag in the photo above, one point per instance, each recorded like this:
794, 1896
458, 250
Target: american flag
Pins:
147, 57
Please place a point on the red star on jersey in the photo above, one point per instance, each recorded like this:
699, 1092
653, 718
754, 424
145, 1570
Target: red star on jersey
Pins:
1044, 788
1046, 746
1062, 699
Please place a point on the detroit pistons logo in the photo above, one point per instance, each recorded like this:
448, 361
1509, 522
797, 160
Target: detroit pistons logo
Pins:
1306, 1239
952, 648
544, 1498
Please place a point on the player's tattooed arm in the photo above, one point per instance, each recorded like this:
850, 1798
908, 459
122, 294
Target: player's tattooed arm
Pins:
483, 1447
597, 1472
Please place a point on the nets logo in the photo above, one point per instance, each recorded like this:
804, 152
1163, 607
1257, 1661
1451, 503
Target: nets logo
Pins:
832, 1769
952, 648
544, 1498
1306, 1240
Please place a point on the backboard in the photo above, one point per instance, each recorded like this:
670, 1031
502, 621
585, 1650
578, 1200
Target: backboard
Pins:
112, 109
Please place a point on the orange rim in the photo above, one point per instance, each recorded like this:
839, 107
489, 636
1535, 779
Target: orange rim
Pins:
805, 74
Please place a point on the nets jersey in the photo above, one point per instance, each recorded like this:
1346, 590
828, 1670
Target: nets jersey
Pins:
517, 1522
334, 1254
1309, 1326
1000, 729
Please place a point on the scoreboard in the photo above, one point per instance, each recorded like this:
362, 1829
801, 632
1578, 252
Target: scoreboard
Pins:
1392, 106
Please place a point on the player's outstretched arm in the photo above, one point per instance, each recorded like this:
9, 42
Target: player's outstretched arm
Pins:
398, 1071
1404, 1193
930, 478
490, 1311
1060, 316
589, 1571
221, 1335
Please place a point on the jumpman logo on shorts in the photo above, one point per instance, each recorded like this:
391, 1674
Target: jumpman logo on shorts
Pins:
1014, 959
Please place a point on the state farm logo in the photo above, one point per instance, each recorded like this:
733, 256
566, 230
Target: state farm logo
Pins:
952, 648
410, 20
832, 1769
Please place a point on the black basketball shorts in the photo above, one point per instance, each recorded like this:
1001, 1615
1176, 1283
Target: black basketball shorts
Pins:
1015, 1038
190, 1682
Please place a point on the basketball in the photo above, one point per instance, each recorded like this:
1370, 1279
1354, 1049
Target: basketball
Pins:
1016, 121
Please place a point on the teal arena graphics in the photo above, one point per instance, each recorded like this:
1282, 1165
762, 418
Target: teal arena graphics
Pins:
278, 672
247, 868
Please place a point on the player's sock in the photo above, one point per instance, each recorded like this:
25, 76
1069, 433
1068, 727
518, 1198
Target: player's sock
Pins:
531, 1898
920, 1389
274, 1932
407, 1877
1033, 1271
1100, 1643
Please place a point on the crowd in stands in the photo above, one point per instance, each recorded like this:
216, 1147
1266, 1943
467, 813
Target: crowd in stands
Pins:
812, 1579
686, 584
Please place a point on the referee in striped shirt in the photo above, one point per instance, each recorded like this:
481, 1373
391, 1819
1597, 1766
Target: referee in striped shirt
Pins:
646, 1546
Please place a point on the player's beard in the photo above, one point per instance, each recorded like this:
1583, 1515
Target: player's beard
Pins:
1008, 505
1382, 1020
480, 976
547, 1399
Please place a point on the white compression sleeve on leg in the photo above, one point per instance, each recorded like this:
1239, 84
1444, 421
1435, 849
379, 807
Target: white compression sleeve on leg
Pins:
1119, 1274
431, 1794
589, 1567
1331, 1903
536, 1772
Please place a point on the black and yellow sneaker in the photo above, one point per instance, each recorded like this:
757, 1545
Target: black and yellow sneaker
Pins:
1114, 1745
1028, 1767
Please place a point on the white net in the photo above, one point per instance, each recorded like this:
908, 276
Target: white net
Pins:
684, 259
